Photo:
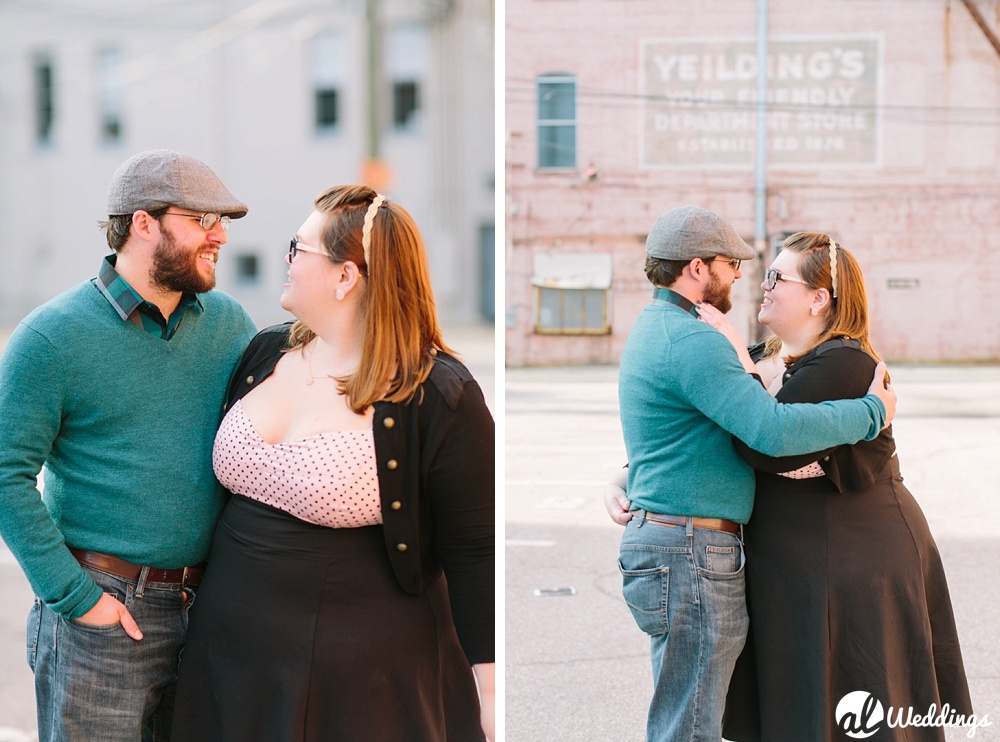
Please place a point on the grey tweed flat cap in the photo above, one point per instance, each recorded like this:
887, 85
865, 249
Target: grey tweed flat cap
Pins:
690, 232
158, 178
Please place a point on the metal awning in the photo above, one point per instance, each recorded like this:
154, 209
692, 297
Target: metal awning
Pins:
563, 270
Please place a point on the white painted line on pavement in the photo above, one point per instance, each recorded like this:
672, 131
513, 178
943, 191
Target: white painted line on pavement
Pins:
617, 450
574, 482
554, 592
561, 503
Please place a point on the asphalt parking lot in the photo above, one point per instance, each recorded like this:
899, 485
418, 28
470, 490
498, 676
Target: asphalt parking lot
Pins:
577, 667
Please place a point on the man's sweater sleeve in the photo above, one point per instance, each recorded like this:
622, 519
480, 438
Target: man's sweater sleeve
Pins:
32, 393
715, 382
838, 373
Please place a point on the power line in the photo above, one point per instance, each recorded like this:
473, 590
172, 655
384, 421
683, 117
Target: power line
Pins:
600, 98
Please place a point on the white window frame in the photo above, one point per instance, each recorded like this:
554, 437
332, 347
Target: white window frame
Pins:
548, 124
110, 95
329, 62
566, 284
406, 63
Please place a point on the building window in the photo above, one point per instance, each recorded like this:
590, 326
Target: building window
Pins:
44, 100
247, 269
572, 293
405, 103
110, 95
406, 68
326, 109
328, 75
572, 312
556, 121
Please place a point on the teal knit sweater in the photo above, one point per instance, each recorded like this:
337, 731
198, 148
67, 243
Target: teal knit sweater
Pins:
682, 392
124, 424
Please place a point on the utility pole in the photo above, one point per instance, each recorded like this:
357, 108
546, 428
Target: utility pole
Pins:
374, 172
371, 21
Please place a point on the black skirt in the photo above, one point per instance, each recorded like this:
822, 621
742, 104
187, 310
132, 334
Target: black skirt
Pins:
300, 633
846, 592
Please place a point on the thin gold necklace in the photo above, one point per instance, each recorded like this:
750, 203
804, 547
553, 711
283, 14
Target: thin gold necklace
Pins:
313, 377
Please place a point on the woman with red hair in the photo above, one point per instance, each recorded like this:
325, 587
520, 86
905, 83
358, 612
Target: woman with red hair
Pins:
350, 589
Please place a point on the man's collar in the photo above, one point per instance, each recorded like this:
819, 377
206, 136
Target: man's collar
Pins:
122, 296
672, 297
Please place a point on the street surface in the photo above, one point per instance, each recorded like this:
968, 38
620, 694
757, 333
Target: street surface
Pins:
577, 667
475, 346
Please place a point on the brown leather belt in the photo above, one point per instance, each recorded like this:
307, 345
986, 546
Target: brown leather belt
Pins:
183, 576
712, 524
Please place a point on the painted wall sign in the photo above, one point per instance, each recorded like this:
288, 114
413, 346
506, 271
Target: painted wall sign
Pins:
700, 102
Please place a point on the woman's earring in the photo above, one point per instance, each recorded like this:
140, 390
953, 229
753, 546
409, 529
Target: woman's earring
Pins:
340, 296
814, 310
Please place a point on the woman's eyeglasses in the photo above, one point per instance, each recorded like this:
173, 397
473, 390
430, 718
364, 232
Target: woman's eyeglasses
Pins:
771, 278
295, 247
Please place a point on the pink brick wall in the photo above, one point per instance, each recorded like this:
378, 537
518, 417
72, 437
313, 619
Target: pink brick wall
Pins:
926, 213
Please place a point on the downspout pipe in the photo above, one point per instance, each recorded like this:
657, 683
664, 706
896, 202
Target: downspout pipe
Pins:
760, 185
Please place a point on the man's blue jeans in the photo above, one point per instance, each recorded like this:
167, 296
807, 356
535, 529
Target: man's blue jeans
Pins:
95, 682
685, 588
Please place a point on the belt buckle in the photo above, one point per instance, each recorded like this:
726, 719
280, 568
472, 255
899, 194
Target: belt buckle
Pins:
184, 577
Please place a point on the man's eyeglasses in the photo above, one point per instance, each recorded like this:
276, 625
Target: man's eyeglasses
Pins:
771, 278
207, 220
295, 247
733, 262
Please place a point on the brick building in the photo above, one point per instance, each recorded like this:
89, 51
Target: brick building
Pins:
882, 129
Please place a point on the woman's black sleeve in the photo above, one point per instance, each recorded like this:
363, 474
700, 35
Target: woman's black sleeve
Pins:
837, 373
460, 486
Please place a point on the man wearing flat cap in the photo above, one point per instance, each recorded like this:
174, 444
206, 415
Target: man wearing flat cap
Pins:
683, 394
116, 387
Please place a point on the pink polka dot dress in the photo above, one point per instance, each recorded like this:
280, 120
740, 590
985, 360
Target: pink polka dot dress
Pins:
329, 479
809, 471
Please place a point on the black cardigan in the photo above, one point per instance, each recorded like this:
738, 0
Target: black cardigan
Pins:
436, 460
837, 369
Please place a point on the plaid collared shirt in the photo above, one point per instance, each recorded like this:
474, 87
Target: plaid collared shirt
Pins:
133, 308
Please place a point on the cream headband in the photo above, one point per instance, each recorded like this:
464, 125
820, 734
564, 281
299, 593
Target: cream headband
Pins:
833, 266
366, 230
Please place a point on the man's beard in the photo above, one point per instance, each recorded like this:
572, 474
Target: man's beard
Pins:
717, 293
176, 269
